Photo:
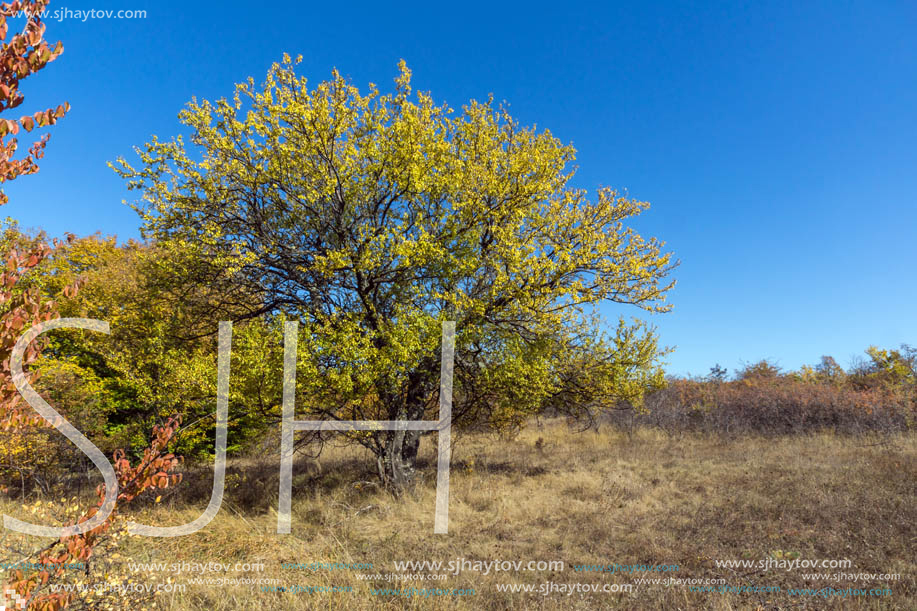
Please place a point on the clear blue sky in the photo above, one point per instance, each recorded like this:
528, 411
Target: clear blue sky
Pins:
776, 142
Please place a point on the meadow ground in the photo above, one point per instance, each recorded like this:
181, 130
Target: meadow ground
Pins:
591, 498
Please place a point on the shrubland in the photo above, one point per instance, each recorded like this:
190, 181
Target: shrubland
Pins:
371, 218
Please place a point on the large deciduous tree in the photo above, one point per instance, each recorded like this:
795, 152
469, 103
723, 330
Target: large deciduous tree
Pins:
371, 218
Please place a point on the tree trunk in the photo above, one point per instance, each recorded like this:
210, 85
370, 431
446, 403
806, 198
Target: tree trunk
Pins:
398, 461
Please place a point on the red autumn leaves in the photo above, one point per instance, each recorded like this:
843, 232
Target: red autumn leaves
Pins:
24, 54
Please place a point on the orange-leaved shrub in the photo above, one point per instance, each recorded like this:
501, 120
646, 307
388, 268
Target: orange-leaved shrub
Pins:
873, 397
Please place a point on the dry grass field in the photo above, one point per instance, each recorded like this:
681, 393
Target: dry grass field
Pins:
554, 494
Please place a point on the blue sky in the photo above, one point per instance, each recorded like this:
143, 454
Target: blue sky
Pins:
775, 141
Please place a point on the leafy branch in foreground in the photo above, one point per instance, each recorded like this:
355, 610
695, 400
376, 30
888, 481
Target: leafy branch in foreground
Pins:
24, 54
22, 309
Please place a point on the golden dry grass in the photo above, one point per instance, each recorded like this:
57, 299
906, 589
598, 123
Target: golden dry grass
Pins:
584, 498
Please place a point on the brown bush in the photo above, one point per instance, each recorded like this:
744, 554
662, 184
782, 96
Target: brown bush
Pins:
776, 405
